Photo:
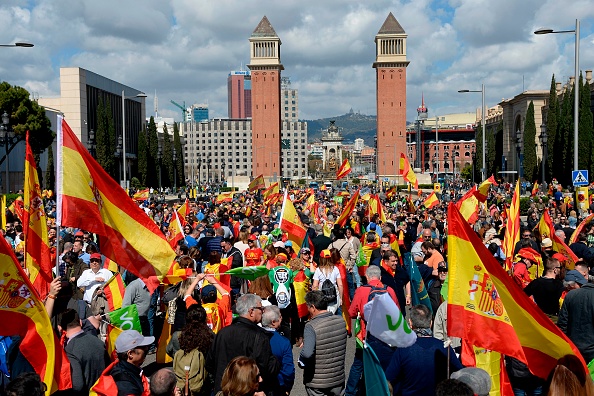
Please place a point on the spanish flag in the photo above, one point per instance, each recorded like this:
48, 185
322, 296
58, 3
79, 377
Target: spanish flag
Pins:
37, 249
257, 183
311, 200
580, 227
141, 195
483, 190
534, 189
114, 292
407, 172
272, 189
291, 224
17, 208
90, 199
391, 193
348, 209
174, 231
431, 201
110, 265
344, 169
545, 226
224, 197
468, 205
512, 227
487, 308
375, 206
24, 314
110, 339
183, 211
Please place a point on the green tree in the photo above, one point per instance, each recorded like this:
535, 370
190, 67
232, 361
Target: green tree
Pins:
466, 172
498, 148
167, 159
181, 178
530, 160
586, 126
491, 153
564, 138
479, 153
26, 115
142, 157
105, 149
50, 174
152, 141
552, 125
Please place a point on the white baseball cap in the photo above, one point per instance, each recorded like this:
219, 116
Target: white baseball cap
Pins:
130, 339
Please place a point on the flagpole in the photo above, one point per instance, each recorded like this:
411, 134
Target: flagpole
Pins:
280, 223
59, 170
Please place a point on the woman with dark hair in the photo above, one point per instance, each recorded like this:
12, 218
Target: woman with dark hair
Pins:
241, 378
327, 270
262, 287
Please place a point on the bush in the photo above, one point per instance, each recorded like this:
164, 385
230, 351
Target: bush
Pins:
301, 182
227, 189
135, 183
524, 205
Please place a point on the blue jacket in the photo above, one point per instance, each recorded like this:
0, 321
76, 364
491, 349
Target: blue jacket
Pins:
283, 351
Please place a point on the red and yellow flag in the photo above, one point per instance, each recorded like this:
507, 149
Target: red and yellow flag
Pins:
375, 206
110, 339
90, 199
468, 205
431, 201
407, 172
534, 189
546, 229
175, 232
24, 314
344, 169
309, 203
17, 208
141, 195
114, 292
580, 227
512, 227
224, 197
391, 193
483, 190
291, 224
487, 308
110, 265
348, 209
37, 249
183, 211
257, 183
272, 189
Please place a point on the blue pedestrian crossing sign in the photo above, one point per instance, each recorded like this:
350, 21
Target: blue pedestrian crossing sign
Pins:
580, 177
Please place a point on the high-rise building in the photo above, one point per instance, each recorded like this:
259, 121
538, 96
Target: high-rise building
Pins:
239, 94
199, 112
390, 65
265, 66
290, 101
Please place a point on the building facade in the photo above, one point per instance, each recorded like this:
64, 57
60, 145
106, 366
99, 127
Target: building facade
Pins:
390, 65
265, 66
239, 94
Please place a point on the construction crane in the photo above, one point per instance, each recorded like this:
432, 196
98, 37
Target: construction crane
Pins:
183, 109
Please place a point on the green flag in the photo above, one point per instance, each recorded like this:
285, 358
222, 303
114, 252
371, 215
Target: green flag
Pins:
249, 273
126, 318
361, 260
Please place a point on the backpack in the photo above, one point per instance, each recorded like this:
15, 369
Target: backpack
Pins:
329, 291
189, 371
213, 319
376, 291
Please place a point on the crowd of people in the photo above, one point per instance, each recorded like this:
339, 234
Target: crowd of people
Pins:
234, 335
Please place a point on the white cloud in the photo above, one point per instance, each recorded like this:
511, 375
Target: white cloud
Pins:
185, 49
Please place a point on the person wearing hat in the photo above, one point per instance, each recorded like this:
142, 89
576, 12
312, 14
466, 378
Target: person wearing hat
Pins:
94, 277
125, 375
547, 289
527, 258
576, 317
478, 379
546, 249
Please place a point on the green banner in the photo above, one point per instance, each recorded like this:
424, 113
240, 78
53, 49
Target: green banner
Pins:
126, 318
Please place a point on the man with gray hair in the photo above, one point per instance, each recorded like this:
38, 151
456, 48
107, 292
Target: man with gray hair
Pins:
282, 350
163, 383
244, 338
417, 370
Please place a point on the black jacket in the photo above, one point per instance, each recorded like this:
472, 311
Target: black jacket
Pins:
576, 319
235, 261
242, 338
320, 243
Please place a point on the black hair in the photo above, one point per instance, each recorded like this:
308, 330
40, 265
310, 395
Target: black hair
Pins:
317, 299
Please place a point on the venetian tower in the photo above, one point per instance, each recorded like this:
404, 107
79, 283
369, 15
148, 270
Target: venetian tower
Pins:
266, 67
390, 65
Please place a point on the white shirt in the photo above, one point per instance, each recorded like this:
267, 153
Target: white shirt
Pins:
88, 282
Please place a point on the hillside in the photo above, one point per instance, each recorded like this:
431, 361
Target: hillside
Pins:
352, 125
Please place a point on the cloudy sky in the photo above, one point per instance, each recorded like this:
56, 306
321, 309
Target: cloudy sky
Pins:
184, 49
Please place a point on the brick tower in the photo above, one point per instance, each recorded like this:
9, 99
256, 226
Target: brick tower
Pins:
266, 69
390, 65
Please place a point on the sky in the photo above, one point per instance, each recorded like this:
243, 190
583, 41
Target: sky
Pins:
184, 49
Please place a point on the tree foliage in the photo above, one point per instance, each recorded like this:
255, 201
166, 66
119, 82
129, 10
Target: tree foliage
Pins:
152, 141
105, 138
50, 173
585, 125
180, 156
142, 157
491, 153
565, 138
167, 163
26, 115
552, 126
479, 152
530, 161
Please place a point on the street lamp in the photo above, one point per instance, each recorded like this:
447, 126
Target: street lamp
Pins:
222, 173
174, 170
117, 154
124, 97
20, 44
520, 155
159, 159
473, 164
199, 177
483, 126
91, 143
8, 137
576, 101
544, 137
208, 170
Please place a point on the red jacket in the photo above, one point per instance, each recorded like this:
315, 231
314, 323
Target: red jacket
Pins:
362, 295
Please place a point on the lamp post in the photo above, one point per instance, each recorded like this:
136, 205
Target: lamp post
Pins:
8, 137
576, 102
199, 166
473, 164
174, 170
437, 147
520, 156
140, 95
208, 170
159, 159
483, 127
91, 143
544, 137
117, 154
222, 173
